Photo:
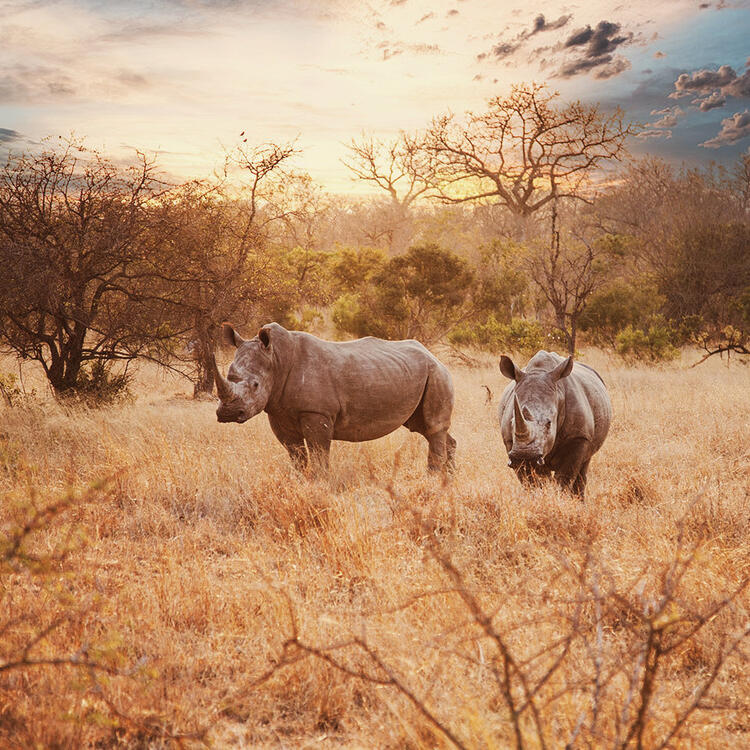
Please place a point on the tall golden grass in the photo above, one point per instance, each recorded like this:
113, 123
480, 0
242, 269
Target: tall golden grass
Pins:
170, 580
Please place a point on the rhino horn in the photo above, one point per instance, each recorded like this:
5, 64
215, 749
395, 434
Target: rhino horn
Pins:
223, 386
522, 429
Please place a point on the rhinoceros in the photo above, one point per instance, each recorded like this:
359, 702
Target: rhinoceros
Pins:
553, 417
316, 391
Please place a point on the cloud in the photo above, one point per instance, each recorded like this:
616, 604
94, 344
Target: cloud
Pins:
602, 40
598, 45
713, 101
712, 86
659, 55
504, 49
7, 135
669, 117
426, 17
391, 49
666, 134
702, 81
733, 129
21, 83
540, 24
614, 68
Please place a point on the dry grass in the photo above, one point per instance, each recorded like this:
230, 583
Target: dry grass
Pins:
230, 600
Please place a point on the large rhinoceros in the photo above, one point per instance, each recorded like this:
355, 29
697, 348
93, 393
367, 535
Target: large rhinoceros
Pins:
315, 391
553, 417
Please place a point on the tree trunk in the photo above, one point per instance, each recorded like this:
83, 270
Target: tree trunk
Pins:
572, 336
203, 385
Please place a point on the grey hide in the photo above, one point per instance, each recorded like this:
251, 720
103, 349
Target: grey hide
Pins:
554, 416
316, 391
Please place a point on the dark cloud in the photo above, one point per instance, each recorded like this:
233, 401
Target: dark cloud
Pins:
452, 12
541, 24
659, 55
602, 40
598, 44
733, 129
426, 17
7, 135
506, 48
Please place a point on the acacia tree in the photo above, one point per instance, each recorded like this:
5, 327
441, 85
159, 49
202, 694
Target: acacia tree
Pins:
403, 169
75, 233
525, 151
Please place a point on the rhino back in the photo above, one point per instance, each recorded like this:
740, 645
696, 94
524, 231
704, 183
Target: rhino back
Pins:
369, 387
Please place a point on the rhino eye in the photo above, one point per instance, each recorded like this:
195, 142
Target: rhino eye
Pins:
255, 385
548, 423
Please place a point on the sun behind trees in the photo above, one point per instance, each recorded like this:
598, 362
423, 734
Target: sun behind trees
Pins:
510, 229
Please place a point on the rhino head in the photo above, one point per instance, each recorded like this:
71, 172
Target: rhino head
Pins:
536, 405
246, 389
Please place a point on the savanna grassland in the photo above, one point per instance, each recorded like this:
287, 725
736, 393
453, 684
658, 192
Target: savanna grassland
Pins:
194, 588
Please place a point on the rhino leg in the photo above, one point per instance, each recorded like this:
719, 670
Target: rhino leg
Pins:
579, 485
433, 419
451, 452
292, 441
573, 460
297, 452
317, 430
438, 452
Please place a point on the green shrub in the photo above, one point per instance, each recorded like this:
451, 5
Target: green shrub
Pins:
520, 335
621, 304
652, 343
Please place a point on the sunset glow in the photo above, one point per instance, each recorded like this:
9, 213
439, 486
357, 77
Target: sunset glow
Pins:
184, 78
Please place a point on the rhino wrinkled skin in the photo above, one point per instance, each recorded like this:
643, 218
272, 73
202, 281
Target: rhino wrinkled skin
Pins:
554, 416
316, 391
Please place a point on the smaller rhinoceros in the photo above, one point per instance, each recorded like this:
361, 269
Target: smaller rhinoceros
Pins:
553, 417
316, 391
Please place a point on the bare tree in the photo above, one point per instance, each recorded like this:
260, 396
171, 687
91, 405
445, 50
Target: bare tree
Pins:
402, 168
568, 271
525, 150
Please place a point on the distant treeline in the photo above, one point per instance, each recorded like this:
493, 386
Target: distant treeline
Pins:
477, 238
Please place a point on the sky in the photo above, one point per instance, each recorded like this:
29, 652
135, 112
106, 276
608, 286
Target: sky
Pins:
183, 78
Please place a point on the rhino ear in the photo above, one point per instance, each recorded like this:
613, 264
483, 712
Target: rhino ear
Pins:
230, 336
563, 369
508, 369
265, 336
